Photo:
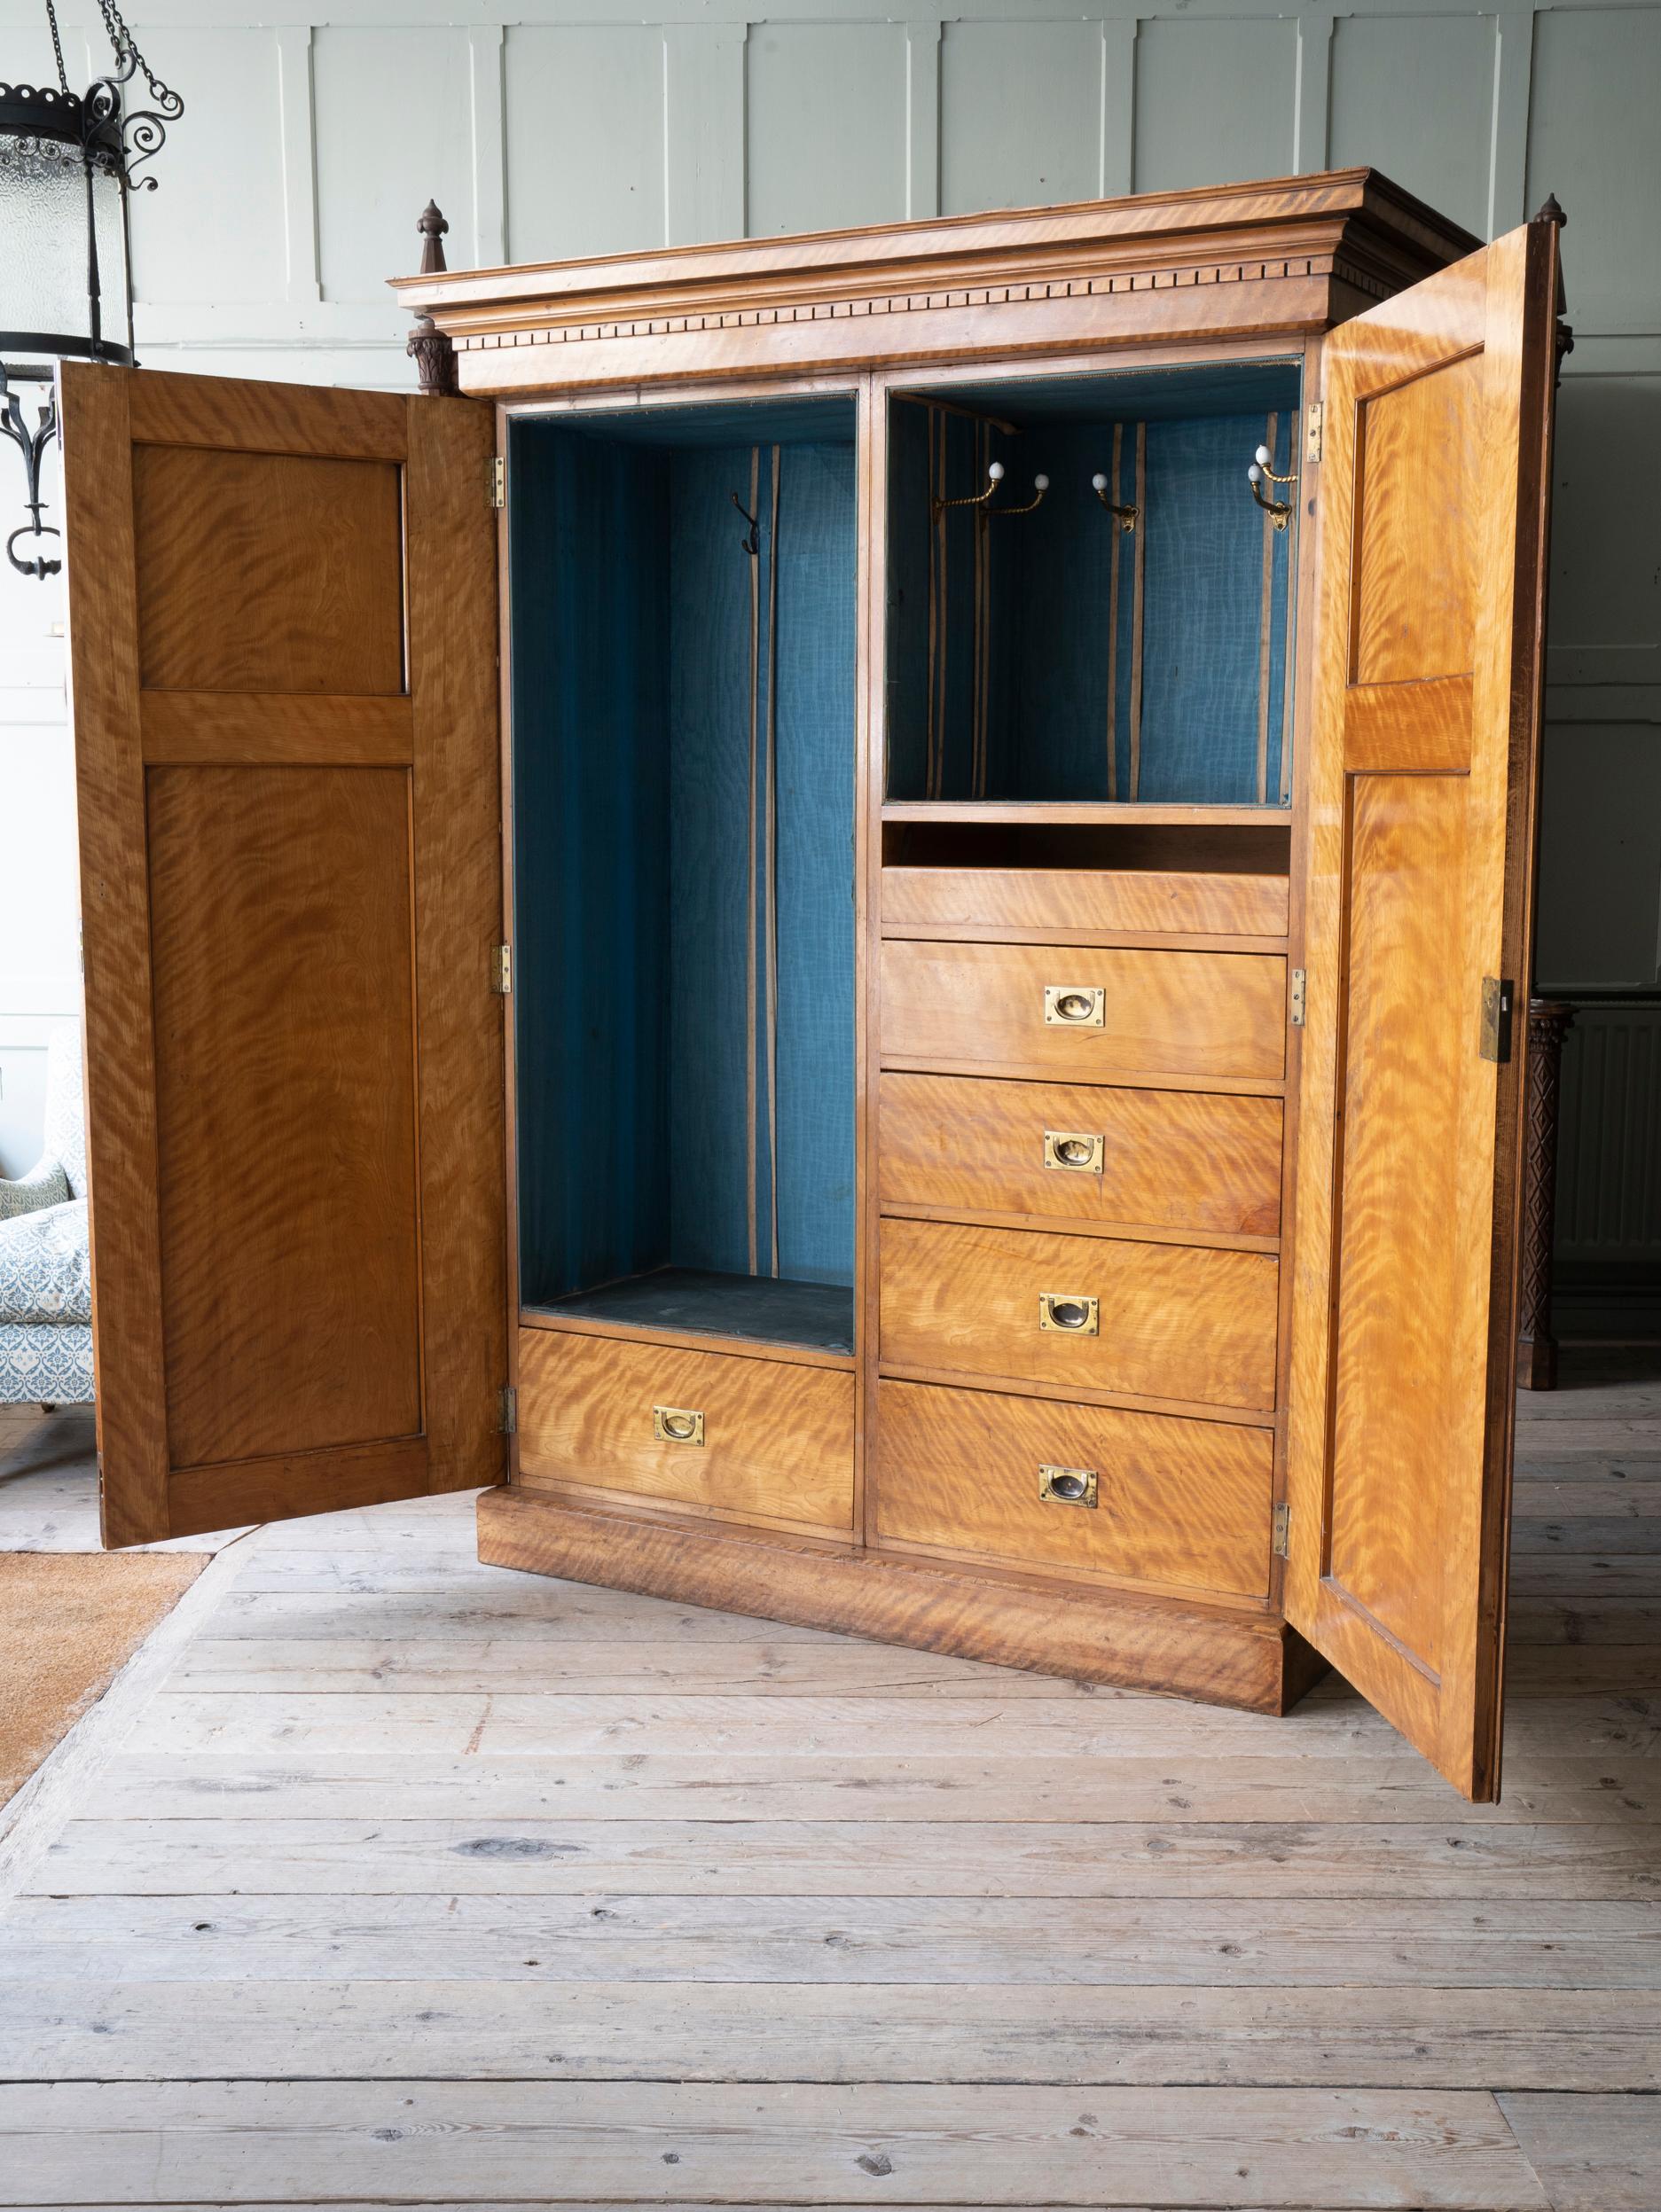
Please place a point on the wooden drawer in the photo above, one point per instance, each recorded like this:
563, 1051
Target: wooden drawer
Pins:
1182, 1504
1172, 1159
1085, 900
1171, 1321
778, 1438
1160, 1013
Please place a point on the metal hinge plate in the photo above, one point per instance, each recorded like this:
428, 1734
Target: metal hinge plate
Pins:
1282, 1522
502, 970
507, 1411
1495, 1042
1317, 424
1300, 985
498, 481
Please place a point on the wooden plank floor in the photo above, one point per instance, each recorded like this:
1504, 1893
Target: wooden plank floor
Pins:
416, 1882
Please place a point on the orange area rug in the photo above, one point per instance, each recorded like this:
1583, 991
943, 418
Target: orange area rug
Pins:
69, 1621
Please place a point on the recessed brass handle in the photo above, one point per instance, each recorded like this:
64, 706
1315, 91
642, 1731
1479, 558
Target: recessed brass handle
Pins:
1072, 1148
1074, 1006
1064, 1310
677, 1425
1068, 1486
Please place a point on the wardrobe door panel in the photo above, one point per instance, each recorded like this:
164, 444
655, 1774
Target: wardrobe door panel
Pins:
282, 611
1423, 747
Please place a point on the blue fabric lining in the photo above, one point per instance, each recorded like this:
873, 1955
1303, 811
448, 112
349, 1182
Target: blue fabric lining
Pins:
1045, 664
642, 872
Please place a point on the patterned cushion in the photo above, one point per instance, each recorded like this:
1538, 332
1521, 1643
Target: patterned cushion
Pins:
45, 1186
45, 1272
65, 1129
45, 1366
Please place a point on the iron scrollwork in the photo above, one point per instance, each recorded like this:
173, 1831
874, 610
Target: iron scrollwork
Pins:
32, 444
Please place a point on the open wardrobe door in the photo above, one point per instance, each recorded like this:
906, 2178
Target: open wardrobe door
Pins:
1435, 478
282, 639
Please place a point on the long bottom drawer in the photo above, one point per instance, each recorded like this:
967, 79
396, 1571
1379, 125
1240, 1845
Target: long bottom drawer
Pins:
1036, 1482
742, 1438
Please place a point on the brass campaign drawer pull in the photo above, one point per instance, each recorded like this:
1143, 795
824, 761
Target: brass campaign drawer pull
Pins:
1064, 1310
1074, 1006
677, 1425
1068, 1486
1073, 1148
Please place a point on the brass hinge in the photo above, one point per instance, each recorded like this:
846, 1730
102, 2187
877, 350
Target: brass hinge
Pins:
498, 481
1300, 985
1283, 1519
1317, 423
502, 970
1495, 1043
507, 1411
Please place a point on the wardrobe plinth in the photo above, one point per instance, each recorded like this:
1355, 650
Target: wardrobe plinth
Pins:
1253, 1661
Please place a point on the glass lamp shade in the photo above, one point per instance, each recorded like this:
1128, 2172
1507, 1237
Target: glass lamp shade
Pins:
63, 232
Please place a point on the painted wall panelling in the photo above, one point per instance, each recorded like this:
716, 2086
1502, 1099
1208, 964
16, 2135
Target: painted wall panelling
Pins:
290, 188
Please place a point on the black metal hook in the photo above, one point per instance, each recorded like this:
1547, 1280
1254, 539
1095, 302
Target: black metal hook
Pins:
751, 540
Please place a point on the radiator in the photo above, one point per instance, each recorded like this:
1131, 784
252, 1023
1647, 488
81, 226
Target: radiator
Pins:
1609, 1146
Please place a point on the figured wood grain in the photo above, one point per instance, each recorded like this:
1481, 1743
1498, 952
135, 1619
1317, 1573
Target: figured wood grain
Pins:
1178, 1160
242, 417
1419, 886
1167, 1013
1419, 457
1228, 1656
1182, 1504
289, 918
1414, 730
918, 900
778, 1439
457, 827
1176, 1321
281, 938
269, 573
310, 730
101, 598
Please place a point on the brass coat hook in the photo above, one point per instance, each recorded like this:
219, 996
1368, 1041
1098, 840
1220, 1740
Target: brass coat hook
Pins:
751, 540
1040, 485
1260, 472
995, 476
1127, 515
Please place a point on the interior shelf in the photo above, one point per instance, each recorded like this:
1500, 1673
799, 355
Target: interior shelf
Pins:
1078, 812
761, 1309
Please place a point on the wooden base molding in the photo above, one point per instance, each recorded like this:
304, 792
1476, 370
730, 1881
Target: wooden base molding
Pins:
1250, 1661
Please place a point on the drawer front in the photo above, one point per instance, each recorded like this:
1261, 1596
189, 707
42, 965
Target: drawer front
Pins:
1183, 1504
1084, 899
1169, 1321
777, 1439
1172, 1159
1084, 1012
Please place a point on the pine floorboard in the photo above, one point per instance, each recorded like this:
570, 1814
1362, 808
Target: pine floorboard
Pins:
415, 1882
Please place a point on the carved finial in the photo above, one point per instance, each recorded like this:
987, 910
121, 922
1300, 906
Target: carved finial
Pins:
1552, 212
432, 349
431, 229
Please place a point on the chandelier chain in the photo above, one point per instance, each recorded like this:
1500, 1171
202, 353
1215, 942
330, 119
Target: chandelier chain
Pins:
129, 58
58, 46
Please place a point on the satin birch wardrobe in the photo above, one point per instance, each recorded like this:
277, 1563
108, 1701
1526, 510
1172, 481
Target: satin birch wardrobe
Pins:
849, 929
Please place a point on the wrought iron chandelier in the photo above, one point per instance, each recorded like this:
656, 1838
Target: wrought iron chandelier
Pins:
66, 170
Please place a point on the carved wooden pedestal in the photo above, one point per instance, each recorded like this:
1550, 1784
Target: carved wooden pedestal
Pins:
1548, 1020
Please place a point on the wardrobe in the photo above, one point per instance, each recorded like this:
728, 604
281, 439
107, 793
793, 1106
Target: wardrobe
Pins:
843, 920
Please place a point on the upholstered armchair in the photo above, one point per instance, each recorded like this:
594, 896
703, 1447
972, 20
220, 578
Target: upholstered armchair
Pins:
45, 1268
